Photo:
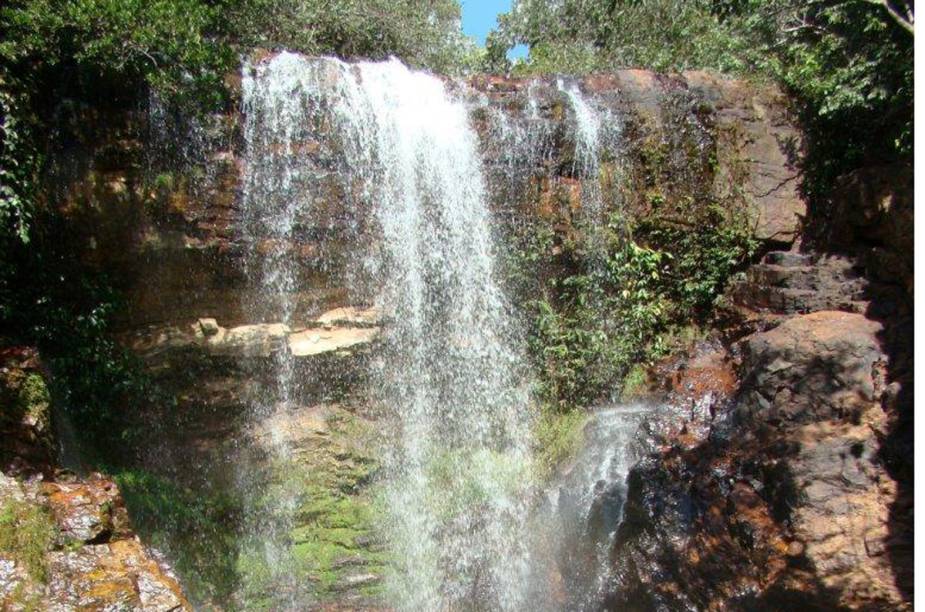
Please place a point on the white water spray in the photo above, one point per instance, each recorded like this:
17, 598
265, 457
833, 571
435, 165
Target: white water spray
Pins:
450, 372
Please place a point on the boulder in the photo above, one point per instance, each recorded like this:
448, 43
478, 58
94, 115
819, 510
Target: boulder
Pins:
788, 499
812, 368
121, 575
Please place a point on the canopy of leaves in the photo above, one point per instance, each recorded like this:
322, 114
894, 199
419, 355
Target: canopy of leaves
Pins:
599, 35
423, 33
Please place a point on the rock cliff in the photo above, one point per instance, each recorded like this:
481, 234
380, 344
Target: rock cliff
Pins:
794, 489
778, 478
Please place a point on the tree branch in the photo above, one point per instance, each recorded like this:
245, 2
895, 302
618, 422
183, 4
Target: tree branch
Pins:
905, 17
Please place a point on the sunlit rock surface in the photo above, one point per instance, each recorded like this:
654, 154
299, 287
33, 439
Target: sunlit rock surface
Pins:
795, 492
66, 542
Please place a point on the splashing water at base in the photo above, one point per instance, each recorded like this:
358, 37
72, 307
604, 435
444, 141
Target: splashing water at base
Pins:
586, 507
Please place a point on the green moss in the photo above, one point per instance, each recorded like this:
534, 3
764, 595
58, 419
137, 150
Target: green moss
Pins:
557, 437
164, 181
24, 394
635, 383
461, 479
33, 396
195, 527
335, 515
26, 534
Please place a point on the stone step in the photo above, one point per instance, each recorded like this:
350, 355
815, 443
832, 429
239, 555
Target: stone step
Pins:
784, 300
843, 281
773, 275
788, 258
838, 267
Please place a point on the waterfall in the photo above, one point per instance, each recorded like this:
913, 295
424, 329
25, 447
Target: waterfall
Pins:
598, 136
450, 372
276, 192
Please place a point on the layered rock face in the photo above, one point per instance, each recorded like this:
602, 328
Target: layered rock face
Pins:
159, 195
66, 542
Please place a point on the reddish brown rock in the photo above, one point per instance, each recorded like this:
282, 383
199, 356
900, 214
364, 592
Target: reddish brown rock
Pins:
88, 510
789, 500
65, 541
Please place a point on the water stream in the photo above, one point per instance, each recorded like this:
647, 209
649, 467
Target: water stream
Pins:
585, 507
457, 479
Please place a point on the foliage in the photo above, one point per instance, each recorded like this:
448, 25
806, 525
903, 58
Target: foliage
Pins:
610, 313
50, 299
26, 534
849, 64
556, 438
706, 248
635, 383
600, 325
422, 34
588, 35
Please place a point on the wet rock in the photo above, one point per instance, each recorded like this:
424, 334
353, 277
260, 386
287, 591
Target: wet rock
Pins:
315, 342
121, 575
87, 511
337, 331
350, 317
259, 340
209, 327
355, 581
90, 561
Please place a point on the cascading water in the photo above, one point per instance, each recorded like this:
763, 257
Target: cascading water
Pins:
587, 505
450, 371
276, 192
597, 136
587, 149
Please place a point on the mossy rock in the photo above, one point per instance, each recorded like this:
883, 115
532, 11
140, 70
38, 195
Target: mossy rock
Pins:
25, 413
319, 501
27, 532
